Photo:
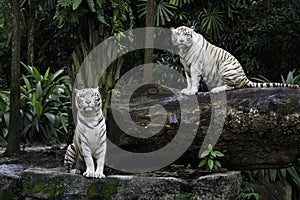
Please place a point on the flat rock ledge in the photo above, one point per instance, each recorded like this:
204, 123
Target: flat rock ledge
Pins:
40, 183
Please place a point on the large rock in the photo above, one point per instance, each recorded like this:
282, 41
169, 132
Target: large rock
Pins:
40, 183
259, 127
10, 181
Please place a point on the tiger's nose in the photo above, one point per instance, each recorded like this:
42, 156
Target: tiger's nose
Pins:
181, 41
88, 102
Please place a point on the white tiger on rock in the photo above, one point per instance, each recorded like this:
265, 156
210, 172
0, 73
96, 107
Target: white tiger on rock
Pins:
87, 152
219, 69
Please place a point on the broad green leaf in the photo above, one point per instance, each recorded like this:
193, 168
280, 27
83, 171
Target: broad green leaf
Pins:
23, 91
56, 74
217, 164
27, 82
50, 117
76, 3
33, 99
204, 153
46, 73
39, 90
210, 148
38, 109
36, 74
219, 154
28, 68
290, 78
202, 163
210, 164
213, 154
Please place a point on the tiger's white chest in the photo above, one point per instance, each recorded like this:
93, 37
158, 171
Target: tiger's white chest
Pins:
91, 133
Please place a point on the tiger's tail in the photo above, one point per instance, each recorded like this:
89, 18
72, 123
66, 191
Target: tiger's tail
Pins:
70, 158
251, 84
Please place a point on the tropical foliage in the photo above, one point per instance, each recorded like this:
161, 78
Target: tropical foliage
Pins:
247, 193
45, 99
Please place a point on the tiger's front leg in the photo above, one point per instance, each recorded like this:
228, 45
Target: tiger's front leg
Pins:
89, 163
189, 84
194, 82
100, 160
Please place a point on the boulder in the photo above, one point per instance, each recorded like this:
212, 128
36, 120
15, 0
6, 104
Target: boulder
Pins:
42, 183
253, 127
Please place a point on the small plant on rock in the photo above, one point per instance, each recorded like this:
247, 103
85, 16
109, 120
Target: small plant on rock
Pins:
247, 193
209, 159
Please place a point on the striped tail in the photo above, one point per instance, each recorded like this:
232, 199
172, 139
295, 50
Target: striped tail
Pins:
251, 84
70, 158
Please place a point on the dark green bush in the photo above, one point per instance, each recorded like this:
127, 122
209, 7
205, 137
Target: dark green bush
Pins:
43, 107
44, 103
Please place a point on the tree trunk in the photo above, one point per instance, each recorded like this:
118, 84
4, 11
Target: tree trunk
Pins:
260, 127
14, 119
31, 25
149, 39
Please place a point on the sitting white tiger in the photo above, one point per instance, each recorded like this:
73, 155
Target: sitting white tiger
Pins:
89, 142
218, 68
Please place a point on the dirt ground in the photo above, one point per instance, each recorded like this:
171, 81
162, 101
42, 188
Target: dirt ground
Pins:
52, 157
44, 157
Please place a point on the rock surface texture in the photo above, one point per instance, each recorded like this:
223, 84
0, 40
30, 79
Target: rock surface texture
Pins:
253, 127
40, 183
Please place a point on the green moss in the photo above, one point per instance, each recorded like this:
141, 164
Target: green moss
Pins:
108, 191
93, 191
44, 188
10, 192
185, 196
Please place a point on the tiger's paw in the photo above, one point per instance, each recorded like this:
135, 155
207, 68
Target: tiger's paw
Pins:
99, 175
89, 174
223, 88
184, 91
189, 92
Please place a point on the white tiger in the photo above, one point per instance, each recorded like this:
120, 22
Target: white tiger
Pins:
89, 142
219, 69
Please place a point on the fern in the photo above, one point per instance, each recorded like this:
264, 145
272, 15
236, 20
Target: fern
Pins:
180, 3
112, 13
91, 5
64, 3
247, 193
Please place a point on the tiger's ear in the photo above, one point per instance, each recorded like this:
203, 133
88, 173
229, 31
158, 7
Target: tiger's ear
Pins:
192, 27
76, 90
172, 28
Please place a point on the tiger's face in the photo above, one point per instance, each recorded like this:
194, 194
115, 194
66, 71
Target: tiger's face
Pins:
88, 99
182, 37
